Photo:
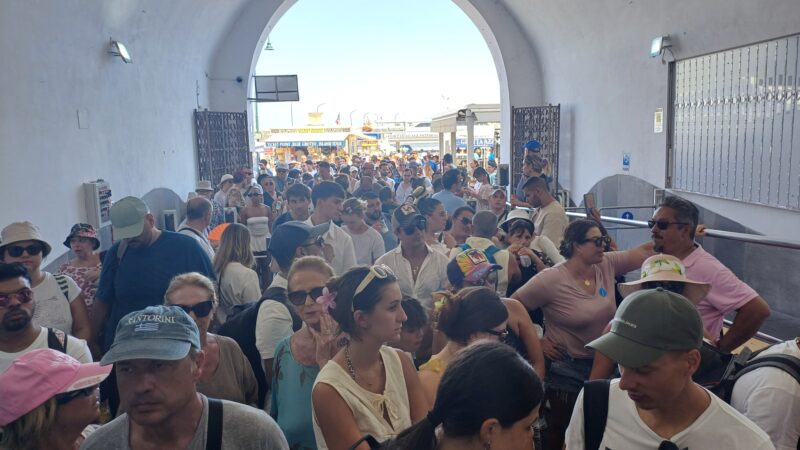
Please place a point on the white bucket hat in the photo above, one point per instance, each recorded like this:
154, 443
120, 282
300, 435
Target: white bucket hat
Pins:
515, 215
23, 231
663, 267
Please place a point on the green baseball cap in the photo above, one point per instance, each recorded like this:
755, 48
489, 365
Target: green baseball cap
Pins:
648, 324
156, 332
127, 216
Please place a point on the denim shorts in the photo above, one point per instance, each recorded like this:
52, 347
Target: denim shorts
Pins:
568, 374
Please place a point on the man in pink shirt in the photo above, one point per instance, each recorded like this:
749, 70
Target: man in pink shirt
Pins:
672, 228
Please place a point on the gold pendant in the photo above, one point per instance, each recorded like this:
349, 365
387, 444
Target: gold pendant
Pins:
586, 282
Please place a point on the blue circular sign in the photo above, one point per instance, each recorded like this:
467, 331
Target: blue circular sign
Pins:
627, 215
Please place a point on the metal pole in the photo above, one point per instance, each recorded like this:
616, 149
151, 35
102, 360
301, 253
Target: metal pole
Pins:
291, 112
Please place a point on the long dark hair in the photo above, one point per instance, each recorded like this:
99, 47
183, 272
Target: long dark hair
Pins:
469, 311
575, 234
470, 393
347, 302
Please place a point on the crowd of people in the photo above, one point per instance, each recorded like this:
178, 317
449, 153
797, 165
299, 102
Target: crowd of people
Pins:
356, 303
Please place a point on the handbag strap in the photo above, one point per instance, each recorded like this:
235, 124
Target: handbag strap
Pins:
214, 431
373, 443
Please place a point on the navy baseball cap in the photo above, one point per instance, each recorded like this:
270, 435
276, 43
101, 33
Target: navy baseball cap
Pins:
532, 145
290, 235
156, 332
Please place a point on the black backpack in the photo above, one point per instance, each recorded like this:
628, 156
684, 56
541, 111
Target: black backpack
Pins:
242, 329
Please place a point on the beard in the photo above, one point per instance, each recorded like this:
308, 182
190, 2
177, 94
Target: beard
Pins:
373, 215
17, 323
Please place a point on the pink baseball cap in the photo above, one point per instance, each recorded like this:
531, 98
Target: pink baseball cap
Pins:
39, 375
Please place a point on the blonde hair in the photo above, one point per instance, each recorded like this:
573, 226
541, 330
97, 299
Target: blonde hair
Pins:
354, 207
310, 263
234, 246
30, 430
190, 279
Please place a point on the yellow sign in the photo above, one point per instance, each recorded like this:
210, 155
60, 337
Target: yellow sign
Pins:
311, 130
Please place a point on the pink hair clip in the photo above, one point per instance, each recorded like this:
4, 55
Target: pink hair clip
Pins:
327, 299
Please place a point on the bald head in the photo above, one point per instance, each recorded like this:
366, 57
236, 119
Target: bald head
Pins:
197, 208
484, 224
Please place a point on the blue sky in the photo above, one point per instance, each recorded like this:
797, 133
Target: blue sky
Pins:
411, 59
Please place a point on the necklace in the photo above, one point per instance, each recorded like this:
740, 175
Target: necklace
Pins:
351, 369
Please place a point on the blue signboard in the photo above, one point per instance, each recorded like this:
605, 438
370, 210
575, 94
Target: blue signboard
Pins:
627, 215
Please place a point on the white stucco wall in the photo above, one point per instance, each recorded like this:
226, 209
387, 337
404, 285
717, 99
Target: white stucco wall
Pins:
594, 57
140, 132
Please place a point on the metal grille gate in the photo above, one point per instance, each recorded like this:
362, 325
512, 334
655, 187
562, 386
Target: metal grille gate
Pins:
535, 122
736, 125
222, 144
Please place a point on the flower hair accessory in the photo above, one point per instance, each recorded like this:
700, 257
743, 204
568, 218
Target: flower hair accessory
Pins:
327, 299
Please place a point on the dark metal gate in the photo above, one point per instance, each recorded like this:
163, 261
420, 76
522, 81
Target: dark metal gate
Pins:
222, 144
535, 122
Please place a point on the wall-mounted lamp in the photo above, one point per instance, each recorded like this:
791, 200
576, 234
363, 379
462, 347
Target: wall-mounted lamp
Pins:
119, 49
269, 46
658, 46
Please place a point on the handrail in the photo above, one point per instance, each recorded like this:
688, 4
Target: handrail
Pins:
731, 235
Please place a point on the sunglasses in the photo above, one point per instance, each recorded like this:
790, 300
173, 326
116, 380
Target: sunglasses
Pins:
668, 445
63, 399
465, 221
379, 271
298, 298
663, 225
200, 310
599, 241
255, 194
17, 250
23, 295
319, 242
502, 335
419, 224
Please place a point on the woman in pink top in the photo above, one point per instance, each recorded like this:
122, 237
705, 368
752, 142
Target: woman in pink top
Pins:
577, 298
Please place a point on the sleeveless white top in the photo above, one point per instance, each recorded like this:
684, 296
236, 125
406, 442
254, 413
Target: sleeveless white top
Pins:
368, 407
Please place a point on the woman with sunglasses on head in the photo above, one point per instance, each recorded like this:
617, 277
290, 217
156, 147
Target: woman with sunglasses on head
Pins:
237, 282
49, 401
226, 372
85, 268
577, 298
464, 317
436, 222
59, 302
461, 225
299, 357
367, 388
476, 409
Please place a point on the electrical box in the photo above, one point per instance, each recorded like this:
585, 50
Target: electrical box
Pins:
97, 195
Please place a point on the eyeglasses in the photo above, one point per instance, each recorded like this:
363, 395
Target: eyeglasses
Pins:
599, 241
32, 250
254, 194
200, 310
663, 224
668, 445
502, 335
379, 271
466, 221
298, 298
63, 399
319, 242
23, 295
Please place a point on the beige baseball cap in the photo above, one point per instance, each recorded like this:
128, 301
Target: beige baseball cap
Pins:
127, 217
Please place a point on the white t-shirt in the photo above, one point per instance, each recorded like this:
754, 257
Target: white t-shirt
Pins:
432, 276
76, 348
200, 237
770, 397
344, 254
238, 286
544, 245
719, 427
368, 245
551, 221
52, 310
273, 323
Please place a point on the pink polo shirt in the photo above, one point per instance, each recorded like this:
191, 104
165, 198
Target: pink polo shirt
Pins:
727, 293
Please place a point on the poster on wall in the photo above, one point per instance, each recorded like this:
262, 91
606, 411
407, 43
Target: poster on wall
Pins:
658, 121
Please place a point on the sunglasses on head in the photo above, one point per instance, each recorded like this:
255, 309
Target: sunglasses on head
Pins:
23, 295
599, 241
63, 399
200, 310
379, 271
32, 250
662, 225
298, 298
502, 335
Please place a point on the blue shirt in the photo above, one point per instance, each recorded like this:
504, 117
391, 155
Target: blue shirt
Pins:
143, 275
450, 201
283, 218
290, 406
519, 192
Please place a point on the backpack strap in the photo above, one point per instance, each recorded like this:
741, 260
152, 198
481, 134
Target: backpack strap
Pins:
63, 285
787, 363
595, 412
490, 251
464, 246
56, 340
214, 431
